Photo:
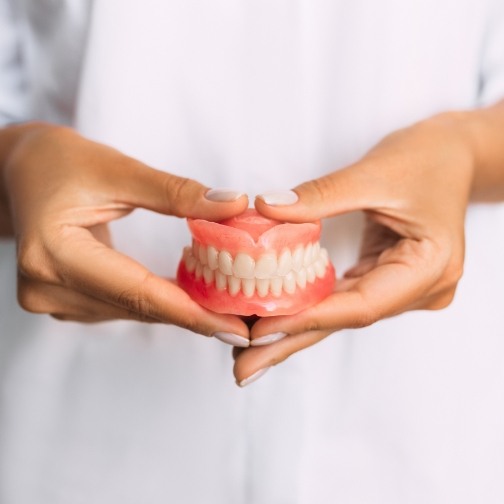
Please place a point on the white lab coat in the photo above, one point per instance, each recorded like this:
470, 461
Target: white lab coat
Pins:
253, 95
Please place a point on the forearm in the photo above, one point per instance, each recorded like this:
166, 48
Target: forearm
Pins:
10, 137
484, 129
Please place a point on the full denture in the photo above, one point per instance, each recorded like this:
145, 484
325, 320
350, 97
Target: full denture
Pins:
251, 265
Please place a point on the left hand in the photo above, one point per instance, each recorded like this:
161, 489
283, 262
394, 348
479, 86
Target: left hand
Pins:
414, 188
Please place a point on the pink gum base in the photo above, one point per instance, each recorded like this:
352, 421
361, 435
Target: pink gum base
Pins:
286, 304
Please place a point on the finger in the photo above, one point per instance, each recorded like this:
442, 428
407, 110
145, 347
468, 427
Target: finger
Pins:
142, 186
66, 304
103, 273
346, 190
400, 279
250, 361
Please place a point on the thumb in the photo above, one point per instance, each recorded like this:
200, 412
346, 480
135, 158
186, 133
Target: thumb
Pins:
142, 186
339, 192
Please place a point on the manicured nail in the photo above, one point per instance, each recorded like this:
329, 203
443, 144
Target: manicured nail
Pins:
279, 198
232, 339
253, 378
268, 339
223, 195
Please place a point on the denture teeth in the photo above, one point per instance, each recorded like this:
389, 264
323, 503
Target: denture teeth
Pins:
248, 287
307, 258
268, 274
301, 278
289, 283
220, 281
233, 285
276, 286
198, 271
297, 258
202, 254
284, 263
324, 255
243, 266
208, 274
266, 266
213, 257
320, 268
262, 286
310, 274
225, 262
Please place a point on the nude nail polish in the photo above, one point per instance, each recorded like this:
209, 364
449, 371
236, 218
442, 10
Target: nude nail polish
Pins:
268, 339
223, 195
252, 378
279, 198
232, 339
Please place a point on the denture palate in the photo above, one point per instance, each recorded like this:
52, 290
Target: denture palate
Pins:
268, 273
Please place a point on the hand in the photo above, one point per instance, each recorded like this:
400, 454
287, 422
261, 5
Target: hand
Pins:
62, 190
414, 189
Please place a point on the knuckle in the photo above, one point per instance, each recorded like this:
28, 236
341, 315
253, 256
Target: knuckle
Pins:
33, 261
176, 189
320, 187
366, 318
136, 300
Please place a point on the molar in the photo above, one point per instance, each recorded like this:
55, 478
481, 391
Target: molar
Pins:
202, 255
208, 274
198, 271
320, 268
310, 274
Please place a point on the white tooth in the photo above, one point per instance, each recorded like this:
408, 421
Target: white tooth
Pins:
243, 266
266, 266
195, 249
297, 258
225, 262
233, 285
202, 254
307, 259
324, 255
276, 286
284, 263
310, 274
208, 274
198, 271
213, 257
248, 287
320, 268
301, 278
289, 283
186, 253
316, 251
220, 281
262, 286
190, 263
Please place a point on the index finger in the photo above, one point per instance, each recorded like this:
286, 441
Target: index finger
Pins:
97, 270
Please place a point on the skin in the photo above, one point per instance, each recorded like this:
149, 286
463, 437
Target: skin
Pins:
414, 188
58, 191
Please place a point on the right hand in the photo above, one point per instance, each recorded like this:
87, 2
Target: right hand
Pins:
62, 190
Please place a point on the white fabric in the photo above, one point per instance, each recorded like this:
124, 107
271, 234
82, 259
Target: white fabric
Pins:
257, 95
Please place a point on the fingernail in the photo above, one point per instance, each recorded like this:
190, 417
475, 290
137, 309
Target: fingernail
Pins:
232, 339
223, 195
268, 339
253, 378
279, 198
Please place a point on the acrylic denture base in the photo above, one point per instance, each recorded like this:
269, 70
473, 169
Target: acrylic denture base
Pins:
250, 265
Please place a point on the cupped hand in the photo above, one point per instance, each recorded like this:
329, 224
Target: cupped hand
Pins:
62, 190
414, 188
